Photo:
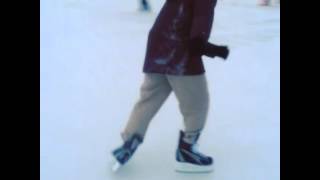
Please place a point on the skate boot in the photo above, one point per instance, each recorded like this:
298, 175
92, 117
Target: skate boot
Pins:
123, 153
189, 159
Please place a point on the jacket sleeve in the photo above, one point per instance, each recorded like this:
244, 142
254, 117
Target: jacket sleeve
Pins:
203, 15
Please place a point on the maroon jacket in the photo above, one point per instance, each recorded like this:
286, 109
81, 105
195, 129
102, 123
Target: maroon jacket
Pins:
179, 22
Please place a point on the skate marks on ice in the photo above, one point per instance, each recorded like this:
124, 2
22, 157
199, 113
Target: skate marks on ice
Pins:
248, 3
76, 3
250, 24
135, 17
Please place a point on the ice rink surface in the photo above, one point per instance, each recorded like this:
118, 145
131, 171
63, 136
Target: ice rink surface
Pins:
91, 71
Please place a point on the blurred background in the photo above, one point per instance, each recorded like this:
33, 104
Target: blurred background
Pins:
91, 57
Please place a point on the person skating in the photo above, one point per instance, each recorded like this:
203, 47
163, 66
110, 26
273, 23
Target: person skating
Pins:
144, 5
173, 63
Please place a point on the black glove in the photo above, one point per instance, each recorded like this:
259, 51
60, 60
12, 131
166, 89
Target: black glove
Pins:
199, 47
212, 50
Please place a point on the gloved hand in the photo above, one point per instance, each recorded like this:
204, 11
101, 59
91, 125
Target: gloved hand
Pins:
200, 47
212, 50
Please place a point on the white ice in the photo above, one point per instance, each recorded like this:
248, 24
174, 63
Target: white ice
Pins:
91, 60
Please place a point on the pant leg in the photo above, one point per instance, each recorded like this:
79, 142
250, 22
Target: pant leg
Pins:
193, 97
154, 91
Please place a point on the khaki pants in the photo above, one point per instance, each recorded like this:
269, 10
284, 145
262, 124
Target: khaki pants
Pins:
190, 91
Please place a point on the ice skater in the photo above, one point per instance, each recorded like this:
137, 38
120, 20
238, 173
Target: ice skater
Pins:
265, 2
173, 63
144, 5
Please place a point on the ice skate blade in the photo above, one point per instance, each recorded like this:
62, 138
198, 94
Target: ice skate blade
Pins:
116, 167
190, 168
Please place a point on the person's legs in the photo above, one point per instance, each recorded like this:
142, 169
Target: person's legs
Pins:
192, 94
154, 91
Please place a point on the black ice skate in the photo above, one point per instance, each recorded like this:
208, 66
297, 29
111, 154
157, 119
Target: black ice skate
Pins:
189, 159
125, 152
144, 6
